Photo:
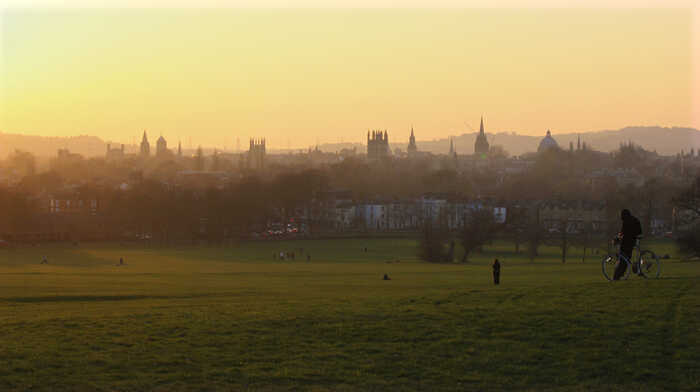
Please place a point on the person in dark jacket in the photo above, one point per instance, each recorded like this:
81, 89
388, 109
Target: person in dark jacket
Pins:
496, 272
629, 232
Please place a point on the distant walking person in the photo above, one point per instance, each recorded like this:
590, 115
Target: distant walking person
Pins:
44, 260
121, 261
629, 233
496, 272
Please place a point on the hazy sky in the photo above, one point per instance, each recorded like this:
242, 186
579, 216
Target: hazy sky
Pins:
298, 76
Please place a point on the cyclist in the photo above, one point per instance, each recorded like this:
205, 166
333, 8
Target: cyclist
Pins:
630, 231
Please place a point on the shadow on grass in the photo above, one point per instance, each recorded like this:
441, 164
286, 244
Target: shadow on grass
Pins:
97, 298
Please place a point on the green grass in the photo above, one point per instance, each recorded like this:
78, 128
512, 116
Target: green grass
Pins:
232, 318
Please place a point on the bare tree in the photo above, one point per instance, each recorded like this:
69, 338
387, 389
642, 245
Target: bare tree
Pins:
433, 242
516, 225
535, 235
564, 238
688, 219
479, 229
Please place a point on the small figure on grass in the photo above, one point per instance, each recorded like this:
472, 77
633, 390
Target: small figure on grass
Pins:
44, 260
308, 257
386, 277
121, 261
496, 272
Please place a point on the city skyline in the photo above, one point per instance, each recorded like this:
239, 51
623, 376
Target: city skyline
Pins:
305, 76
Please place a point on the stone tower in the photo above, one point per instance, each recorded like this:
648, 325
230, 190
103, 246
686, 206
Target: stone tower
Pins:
161, 147
377, 145
256, 154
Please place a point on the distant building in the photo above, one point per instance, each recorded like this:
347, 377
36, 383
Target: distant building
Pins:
64, 155
347, 153
161, 147
114, 153
145, 146
377, 145
611, 178
256, 154
453, 148
573, 217
412, 150
73, 205
548, 143
481, 146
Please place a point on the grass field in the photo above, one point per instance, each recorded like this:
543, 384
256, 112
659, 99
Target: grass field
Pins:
232, 318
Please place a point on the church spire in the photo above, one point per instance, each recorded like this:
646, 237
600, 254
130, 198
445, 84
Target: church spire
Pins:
481, 145
412, 143
145, 147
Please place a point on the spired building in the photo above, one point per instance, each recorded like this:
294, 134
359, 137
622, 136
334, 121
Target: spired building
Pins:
548, 143
412, 150
481, 146
256, 154
377, 145
145, 146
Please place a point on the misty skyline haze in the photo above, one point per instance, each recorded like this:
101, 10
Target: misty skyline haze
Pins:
666, 141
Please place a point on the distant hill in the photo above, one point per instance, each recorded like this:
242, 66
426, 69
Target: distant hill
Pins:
47, 146
666, 141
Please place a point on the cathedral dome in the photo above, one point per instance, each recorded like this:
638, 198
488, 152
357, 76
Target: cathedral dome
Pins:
548, 143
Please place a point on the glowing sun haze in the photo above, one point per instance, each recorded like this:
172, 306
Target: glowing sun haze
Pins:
298, 76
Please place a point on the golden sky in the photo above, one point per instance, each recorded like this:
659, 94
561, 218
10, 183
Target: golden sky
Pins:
301, 76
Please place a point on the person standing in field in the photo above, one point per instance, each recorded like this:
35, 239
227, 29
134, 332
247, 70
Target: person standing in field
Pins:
496, 272
629, 233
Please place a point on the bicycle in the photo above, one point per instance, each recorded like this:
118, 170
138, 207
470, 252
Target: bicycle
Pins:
647, 264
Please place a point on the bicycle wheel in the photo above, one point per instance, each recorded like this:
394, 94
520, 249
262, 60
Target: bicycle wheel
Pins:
650, 265
609, 265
